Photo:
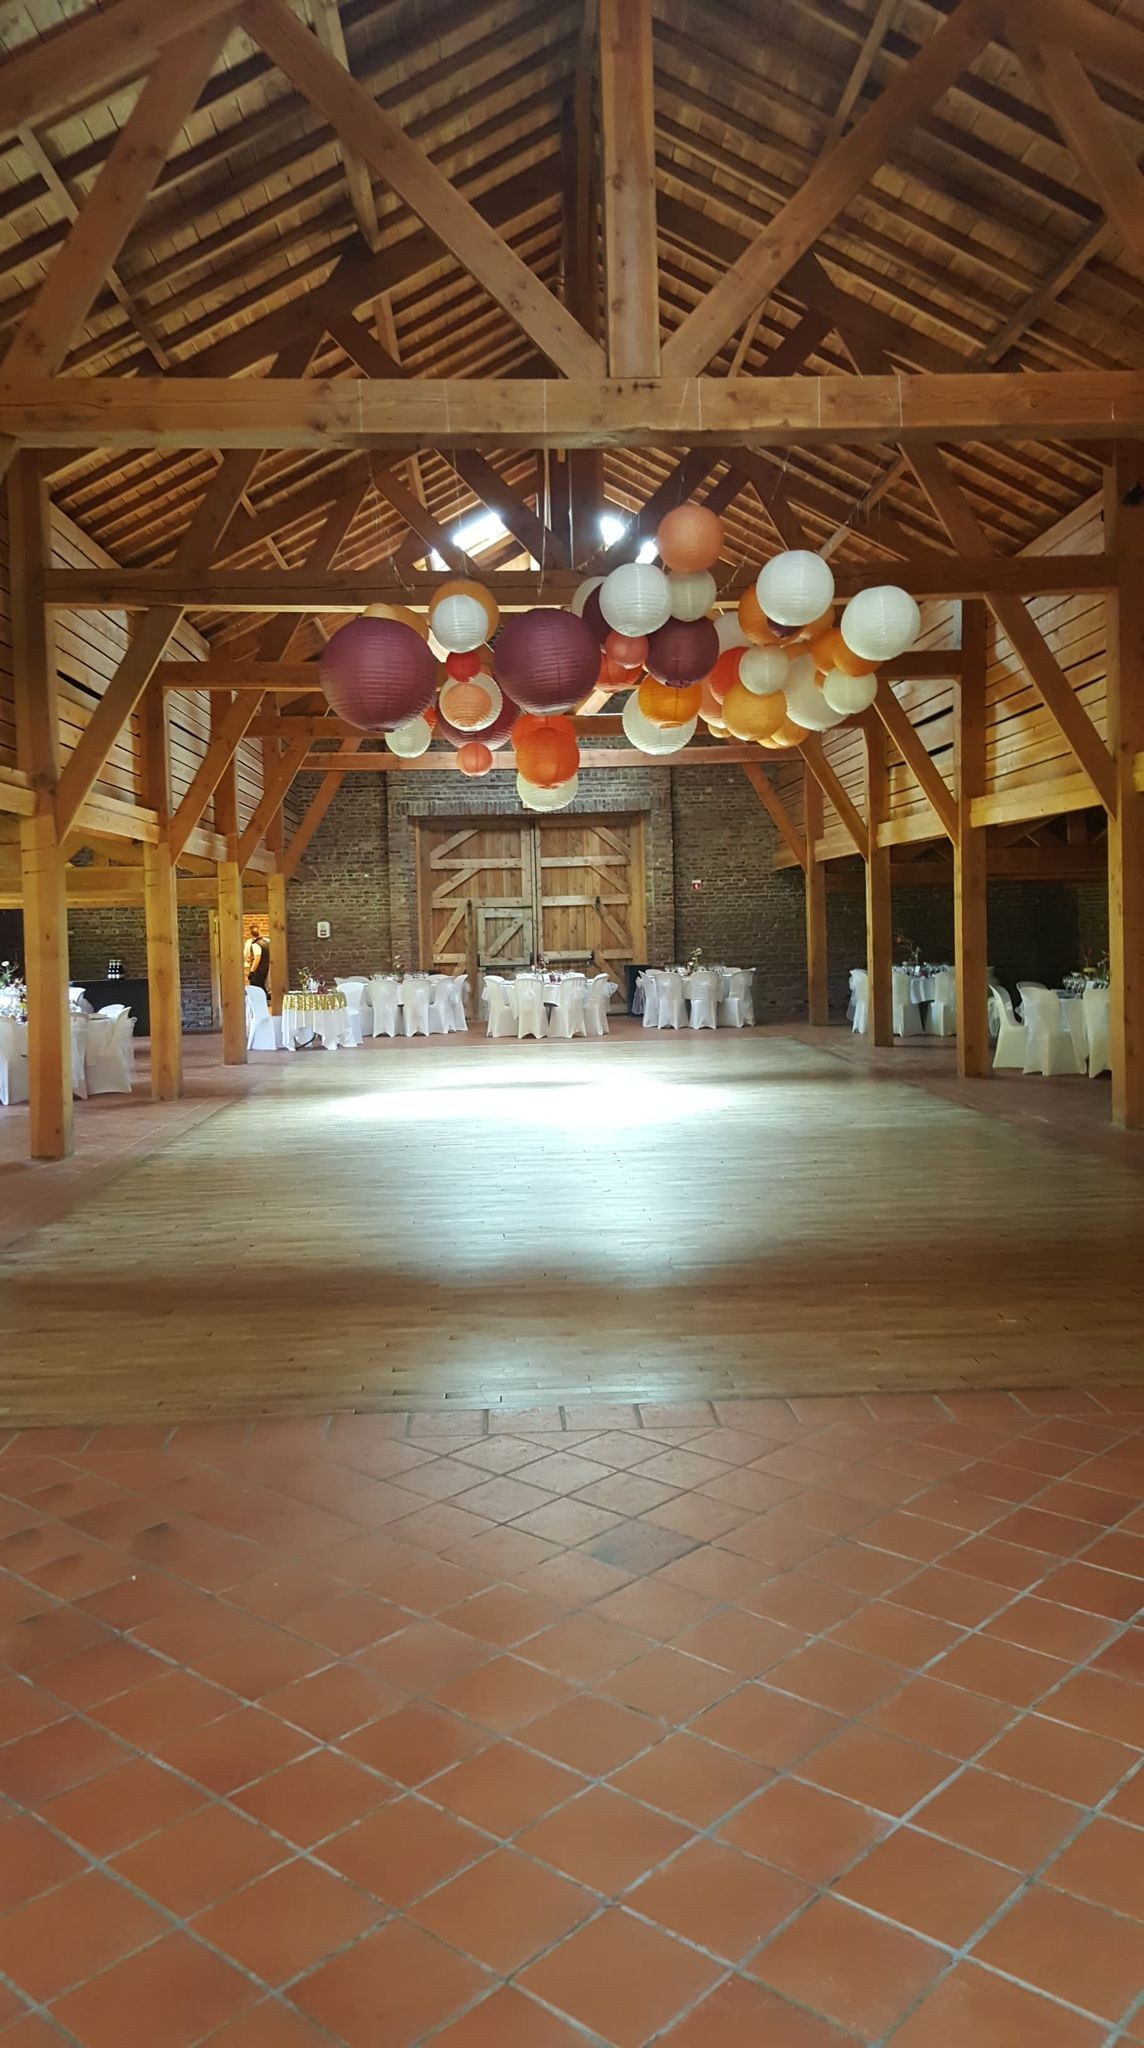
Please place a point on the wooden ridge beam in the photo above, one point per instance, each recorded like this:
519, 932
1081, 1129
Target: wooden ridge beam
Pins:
836, 179
99, 50
208, 412
365, 127
294, 590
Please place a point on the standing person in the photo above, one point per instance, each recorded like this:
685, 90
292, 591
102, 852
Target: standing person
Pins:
256, 959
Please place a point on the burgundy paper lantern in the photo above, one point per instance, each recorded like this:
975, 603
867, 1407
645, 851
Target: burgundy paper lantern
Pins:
493, 735
377, 673
683, 651
546, 659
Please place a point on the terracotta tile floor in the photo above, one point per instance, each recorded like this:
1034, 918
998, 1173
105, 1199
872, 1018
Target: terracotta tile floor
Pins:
803, 1723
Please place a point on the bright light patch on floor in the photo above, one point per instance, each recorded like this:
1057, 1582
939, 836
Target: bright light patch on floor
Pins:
564, 1102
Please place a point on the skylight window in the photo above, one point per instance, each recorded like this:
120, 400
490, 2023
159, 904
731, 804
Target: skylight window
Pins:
473, 535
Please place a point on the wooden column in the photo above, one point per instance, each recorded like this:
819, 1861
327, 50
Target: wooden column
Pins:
1124, 534
277, 935
971, 944
627, 122
879, 909
161, 905
43, 882
817, 1000
232, 972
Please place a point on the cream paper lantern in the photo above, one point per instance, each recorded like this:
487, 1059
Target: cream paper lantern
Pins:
583, 593
806, 705
411, 739
730, 632
535, 798
635, 599
459, 622
881, 623
795, 588
455, 699
849, 695
764, 669
654, 739
692, 593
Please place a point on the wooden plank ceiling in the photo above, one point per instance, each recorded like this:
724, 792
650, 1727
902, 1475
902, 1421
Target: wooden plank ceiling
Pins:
976, 243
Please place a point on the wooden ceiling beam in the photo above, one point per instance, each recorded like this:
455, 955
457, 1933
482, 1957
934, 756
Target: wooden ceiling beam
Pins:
1113, 45
328, 28
365, 127
102, 48
838, 176
1087, 126
627, 124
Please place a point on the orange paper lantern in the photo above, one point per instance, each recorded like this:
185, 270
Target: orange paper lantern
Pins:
830, 651
668, 704
751, 717
546, 750
474, 758
403, 615
725, 672
690, 537
755, 625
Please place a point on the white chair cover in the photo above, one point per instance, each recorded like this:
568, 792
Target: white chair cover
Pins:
1073, 1018
457, 989
567, 1019
113, 1010
447, 1003
79, 1053
502, 1017
737, 1007
385, 1004
645, 982
358, 1013
702, 992
1098, 1030
263, 1032
415, 994
1049, 1044
907, 1015
76, 996
110, 1054
531, 1015
859, 1000
670, 1000
1011, 1036
13, 1061
941, 1022
599, 994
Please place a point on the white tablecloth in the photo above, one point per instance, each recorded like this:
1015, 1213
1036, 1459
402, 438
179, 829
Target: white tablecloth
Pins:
301, 1022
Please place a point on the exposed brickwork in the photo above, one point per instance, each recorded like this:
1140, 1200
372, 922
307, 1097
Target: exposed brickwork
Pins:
748, 911
343, 877
96, 936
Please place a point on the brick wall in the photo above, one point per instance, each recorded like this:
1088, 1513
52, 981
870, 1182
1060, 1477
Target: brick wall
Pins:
747, 912
96, 936
343, 877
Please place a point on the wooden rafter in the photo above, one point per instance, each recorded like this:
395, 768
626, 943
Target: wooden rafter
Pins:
328, 28
917, 758
97, 51
1089, 129
850, 818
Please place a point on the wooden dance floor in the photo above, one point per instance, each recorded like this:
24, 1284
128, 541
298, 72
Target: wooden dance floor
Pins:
648, 1216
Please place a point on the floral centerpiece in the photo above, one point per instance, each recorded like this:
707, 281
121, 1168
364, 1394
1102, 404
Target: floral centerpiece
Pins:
316, 984
13, 993
1093, 974
694, 959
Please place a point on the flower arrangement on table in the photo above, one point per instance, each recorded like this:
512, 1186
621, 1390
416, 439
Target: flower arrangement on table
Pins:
316, 984
13, 993
694, 960
1091, 975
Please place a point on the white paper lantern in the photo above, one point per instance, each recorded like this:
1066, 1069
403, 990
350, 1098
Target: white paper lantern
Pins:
730, 632
411, 739
806, 705
654, 739
536, 798
881, 623
763, 669
451, 691
795, 588
583, 593
459, 622
635, 599
849, 694
692, 593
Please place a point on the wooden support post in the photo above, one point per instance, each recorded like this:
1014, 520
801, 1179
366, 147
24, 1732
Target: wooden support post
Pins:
161, 904
1124, 526
43, 881
879, 909
278, 937
627, 123
971, 951
817, 998
232, 977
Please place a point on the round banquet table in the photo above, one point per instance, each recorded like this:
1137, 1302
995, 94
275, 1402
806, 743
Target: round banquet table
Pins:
309, 1013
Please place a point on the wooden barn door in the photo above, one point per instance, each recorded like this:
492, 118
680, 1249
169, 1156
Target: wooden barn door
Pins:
495, 892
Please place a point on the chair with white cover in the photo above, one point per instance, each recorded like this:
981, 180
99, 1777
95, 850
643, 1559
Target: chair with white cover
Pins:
670, 1000
567, 1019
531, 1014
1098, 1031
13, 1061
941, 1021
907, 1013
110, 1054
456, 989
78, 1021
76, 998
263, 1032
859, 1000
738, 1006
385, 1004
599, 994
359, 1016
702, 992
112, 1010
446, 1003
1050, 1047
502, 1017
645, 982
1011, 1033
415, 997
